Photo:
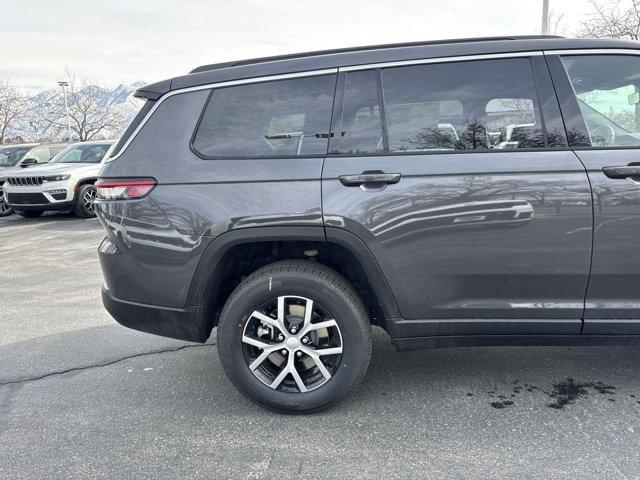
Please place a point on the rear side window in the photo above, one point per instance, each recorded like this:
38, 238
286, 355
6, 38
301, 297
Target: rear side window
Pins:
607, 88
41, 154
137, 120
284, 118
484, 104
82, 154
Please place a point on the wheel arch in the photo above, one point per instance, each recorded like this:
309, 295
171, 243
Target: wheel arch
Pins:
220, 269
86, 181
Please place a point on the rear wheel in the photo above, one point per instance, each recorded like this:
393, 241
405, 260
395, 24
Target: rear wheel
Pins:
30, 213
294, 337
85, 197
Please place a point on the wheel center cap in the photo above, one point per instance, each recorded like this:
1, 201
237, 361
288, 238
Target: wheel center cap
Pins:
292, 343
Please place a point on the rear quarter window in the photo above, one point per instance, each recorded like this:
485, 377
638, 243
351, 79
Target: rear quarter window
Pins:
283, 118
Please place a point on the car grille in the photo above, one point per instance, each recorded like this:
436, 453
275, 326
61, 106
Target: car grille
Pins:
25, 181
26, 199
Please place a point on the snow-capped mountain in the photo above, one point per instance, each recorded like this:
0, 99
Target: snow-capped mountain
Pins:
120, 98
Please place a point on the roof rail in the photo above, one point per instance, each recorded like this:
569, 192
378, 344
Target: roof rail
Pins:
237, 63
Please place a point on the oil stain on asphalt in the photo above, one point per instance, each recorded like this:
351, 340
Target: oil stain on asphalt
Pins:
569, 391
561, 395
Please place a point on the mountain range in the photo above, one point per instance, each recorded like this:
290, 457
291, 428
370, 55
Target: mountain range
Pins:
119, 98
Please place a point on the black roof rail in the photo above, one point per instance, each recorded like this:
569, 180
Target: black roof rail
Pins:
236, 63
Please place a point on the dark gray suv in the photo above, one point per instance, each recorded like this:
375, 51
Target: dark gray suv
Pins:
459, 193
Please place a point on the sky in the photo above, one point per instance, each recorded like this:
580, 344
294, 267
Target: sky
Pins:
114, 41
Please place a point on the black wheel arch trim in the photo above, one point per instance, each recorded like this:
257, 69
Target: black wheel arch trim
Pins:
87, 181
372, 270
201, 292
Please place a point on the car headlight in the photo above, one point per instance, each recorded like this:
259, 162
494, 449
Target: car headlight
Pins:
56, 178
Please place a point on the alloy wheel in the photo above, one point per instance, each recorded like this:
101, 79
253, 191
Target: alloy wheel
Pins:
292, 344
87, 199
4, 207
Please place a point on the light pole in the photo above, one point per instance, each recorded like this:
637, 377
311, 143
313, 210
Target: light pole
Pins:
64, 86
545, 17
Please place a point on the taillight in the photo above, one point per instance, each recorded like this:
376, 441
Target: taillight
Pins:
124, 188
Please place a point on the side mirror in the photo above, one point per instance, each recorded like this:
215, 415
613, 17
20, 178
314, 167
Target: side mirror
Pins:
27, 162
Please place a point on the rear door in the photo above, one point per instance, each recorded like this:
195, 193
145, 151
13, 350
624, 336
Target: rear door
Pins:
461, 183
601, 104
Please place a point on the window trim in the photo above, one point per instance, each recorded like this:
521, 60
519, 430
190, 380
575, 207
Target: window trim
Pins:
451, 152
536, 88
383, 110
424, 61
261, 157
308, 73
593, 51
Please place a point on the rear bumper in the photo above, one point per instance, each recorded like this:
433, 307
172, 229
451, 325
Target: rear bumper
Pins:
180, 323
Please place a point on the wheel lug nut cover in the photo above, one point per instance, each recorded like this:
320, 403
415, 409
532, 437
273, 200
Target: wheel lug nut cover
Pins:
284, 351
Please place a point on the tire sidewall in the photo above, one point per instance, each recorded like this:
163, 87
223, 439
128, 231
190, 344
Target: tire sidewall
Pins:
80, 209
355, 355
8, 212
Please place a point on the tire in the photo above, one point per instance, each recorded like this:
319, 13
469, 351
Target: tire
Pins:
30, 213
334, 298
84, 201
5, 209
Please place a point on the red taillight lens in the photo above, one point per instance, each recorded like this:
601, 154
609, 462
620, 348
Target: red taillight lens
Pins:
125, 188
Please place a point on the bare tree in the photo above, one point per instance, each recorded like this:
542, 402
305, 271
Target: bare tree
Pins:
88, 116
557, 24
613, 19
12, 106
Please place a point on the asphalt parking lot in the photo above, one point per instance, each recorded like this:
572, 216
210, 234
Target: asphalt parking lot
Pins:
82, 397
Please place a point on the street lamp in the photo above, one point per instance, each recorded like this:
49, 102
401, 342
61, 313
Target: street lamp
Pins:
64, 86
545, 17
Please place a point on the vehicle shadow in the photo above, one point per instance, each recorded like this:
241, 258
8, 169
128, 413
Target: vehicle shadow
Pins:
54, 221
497, 377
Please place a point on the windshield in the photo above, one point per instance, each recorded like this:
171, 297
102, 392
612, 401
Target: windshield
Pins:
9, 156
92, 153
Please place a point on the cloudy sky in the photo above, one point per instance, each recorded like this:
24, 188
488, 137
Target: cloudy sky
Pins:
117, 41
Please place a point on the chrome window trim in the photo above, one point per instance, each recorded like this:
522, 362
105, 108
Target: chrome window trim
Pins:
209, 86
594, 51
423, 61
329, 71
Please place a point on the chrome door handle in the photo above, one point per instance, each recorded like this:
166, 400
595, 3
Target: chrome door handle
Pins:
367, 178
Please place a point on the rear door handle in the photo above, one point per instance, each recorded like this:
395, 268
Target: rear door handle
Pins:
623, 171
368, 178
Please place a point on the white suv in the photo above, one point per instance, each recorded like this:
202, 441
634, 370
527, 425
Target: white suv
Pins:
65, 183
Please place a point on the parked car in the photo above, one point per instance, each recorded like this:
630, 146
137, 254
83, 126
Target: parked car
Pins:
42, 153
65, 183
300, 200
10, 156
